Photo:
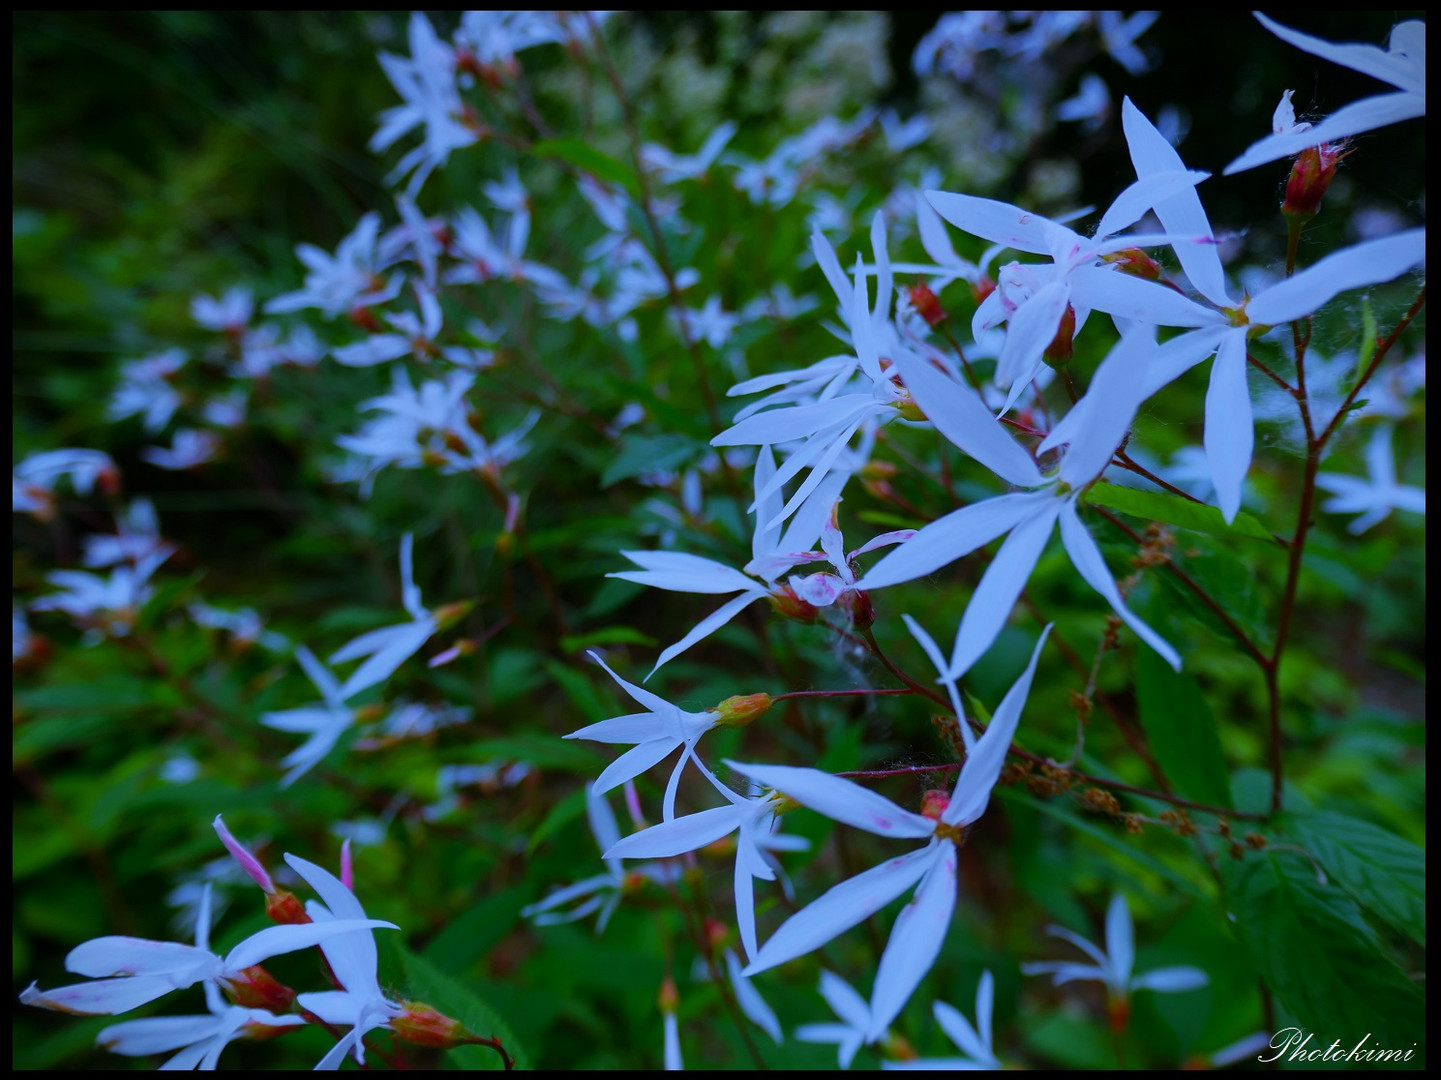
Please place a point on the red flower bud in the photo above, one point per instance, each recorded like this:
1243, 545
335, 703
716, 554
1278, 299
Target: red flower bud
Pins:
420, 1024
1058, 352
1135, 262
926, 304
1311, 176
256, 988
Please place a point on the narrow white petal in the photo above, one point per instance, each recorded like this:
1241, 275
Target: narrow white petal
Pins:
949, 538
1229, 432
676, 837
915, 940
1088, 562
842, 907
709, 625
1120, 940
1171, 980
840, 800
1367, 263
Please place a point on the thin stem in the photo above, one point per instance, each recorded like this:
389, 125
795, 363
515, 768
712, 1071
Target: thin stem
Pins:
837, 693
1380, 354
965, 364
1128, 463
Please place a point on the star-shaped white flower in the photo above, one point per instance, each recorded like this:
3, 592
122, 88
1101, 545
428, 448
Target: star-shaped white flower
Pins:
974, 1042
1375, 497
1113, 966
921, 926
854, 1029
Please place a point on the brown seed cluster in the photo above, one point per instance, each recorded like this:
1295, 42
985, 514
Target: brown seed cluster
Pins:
1178, 820
1100, 801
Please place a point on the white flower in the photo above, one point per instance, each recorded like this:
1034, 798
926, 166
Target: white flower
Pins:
854, 1030
1092, 434
1113, 966
921, 926
345, 281
32, 482
1403, 65
389, 647
352, 957
129, 972
655, 734
231, 313
974, 1042
107, 603
749, 999
324, 722
752, 818
670, 167
604, 891
1375, 497
137, 536
200, 1039
189, 448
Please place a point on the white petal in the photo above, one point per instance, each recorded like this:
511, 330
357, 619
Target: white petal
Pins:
275, 940
1229, 433
632, 763
1368, 263
915, 940
156, 1034
842, 907
115, 955
991, 604
102, 997
961, 416
680, 572
998, 222
676, 837
749, 999
949, 538
709, 625
1120, 940
984, 761
1088, 562
840, 800
958, 1029
1171, 980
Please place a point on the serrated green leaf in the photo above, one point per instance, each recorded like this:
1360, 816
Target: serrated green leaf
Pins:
1174, 510
1179, 724
1384, 873
1318, 955
588, 159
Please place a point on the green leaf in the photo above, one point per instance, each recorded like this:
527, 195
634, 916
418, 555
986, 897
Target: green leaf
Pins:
562, 813
644, 453
588, 159
470, 935
1173, 510
1317, 954
1227, 581
609, 635
1179, 724
1385, 874
428, 984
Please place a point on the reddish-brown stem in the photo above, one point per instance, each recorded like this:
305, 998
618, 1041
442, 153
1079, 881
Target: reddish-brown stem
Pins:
960, 353
1380, 354
837, 693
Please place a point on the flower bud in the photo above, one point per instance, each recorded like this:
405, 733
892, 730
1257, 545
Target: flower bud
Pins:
364, 318
283, 907
934, 803
784, 599
858, 606
1311, 175
448, 615
669, 997
927, 305
256, 988
1135, 262
1118, 1011
740, 710
897, 1048
982, 287
1058, 352
716, 933
424, 1026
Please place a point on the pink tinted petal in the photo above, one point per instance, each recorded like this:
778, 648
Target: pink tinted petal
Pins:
998, 222
820, 590
898, 536
962, 417
842, 907
840, 800
1088, 562
248, 862
1229, 433
915, 940
1368, 263
102, 997
949, 538
995, 597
